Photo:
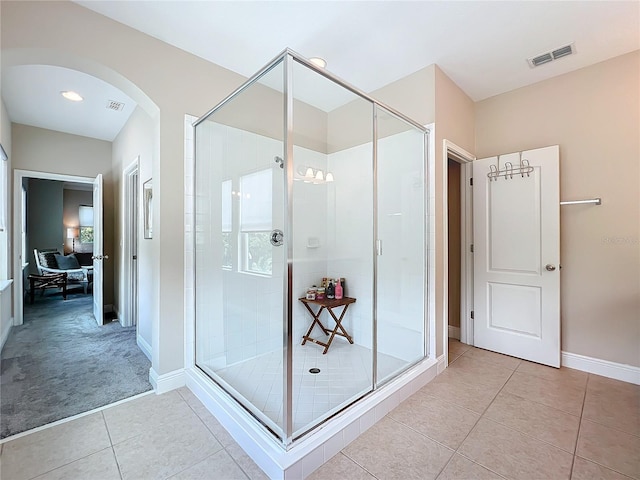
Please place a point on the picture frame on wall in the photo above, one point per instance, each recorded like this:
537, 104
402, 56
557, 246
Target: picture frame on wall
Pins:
147, 202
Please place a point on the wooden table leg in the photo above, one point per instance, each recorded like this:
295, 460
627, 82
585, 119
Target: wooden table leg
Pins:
334, 332
316, 320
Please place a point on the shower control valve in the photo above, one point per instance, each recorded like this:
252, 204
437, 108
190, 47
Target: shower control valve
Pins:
277, 238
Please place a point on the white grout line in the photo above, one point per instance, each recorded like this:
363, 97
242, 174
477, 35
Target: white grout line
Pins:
75, 417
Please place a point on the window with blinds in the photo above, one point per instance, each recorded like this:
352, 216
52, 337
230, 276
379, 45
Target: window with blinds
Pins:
85, 215
255, 222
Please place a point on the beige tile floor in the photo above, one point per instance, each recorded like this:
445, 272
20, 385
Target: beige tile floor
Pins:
487, 416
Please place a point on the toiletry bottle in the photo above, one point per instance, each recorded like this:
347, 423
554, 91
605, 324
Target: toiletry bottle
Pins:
338, 291
331, 291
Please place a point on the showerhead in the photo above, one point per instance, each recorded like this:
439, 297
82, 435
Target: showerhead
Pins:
279, 161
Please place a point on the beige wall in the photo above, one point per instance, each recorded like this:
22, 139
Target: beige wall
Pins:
413, 95
43, 150
135, 141
593, 114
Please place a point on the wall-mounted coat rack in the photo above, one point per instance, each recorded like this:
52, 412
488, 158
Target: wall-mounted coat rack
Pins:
595, 201
509, 169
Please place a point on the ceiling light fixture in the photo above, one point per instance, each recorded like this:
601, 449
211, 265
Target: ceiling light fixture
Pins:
71, 95
318, 62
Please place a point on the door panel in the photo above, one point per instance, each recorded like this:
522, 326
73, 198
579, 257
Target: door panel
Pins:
516, 234
98, 254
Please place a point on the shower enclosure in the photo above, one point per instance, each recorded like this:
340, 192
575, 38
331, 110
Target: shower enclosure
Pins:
302, 179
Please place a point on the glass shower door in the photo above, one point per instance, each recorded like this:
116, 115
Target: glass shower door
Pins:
401, 263
240, 256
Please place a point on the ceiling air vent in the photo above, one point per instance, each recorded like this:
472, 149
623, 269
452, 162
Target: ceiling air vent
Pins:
562, 52
551, 56
113, 105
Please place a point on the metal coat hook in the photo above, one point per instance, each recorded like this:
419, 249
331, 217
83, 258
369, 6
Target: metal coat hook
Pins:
509, 169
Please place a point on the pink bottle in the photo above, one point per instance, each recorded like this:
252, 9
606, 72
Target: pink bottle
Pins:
338, 292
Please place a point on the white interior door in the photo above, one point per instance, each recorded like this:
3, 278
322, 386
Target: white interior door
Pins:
98, 254
517, 257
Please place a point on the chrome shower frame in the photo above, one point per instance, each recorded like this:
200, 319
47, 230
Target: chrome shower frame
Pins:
287, 57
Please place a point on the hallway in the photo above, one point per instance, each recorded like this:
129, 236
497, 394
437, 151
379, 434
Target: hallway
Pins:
60, 363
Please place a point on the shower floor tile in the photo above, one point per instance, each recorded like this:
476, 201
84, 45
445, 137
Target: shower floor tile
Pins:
345, 374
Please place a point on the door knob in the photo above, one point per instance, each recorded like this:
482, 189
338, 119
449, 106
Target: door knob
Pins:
549, 267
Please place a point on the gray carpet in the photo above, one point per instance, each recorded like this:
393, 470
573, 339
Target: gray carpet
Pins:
60, 363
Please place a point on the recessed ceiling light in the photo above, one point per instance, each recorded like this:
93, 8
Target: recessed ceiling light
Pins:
71, 95
318, 62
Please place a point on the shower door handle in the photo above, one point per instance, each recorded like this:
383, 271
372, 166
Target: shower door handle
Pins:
277, 238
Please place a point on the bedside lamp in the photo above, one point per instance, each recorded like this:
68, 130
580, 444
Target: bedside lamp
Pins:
73, 233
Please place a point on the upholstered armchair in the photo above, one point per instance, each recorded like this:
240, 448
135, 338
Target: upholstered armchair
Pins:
50, 262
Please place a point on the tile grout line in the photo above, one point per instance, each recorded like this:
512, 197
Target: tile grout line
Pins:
540, 403
595, 420
361, 466
75, 460
606, 467
113, 450
543, 441
575, 450
224, 448
597, 423
482, 415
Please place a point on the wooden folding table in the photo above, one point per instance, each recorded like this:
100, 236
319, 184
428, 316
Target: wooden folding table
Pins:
328, 305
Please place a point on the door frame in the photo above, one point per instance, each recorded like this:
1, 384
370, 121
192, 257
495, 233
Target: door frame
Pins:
18, 277
130, 239
464, 158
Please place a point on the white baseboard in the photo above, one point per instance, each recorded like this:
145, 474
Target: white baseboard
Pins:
144, 346
168, 381
441, 364
605, 368
454, 332
5, 334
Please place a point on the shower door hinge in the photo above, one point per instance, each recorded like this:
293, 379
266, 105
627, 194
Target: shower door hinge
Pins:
471, 181
471, 248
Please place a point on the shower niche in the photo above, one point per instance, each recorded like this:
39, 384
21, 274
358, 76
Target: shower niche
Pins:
300, 177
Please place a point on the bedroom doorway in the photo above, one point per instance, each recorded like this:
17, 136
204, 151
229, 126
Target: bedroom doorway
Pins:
55, 237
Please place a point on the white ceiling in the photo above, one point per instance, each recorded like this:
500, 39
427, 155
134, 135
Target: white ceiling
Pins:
32, 95
480, 45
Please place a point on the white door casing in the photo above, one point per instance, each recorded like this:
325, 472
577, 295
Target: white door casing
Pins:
517, 257
98, 254
128, 316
